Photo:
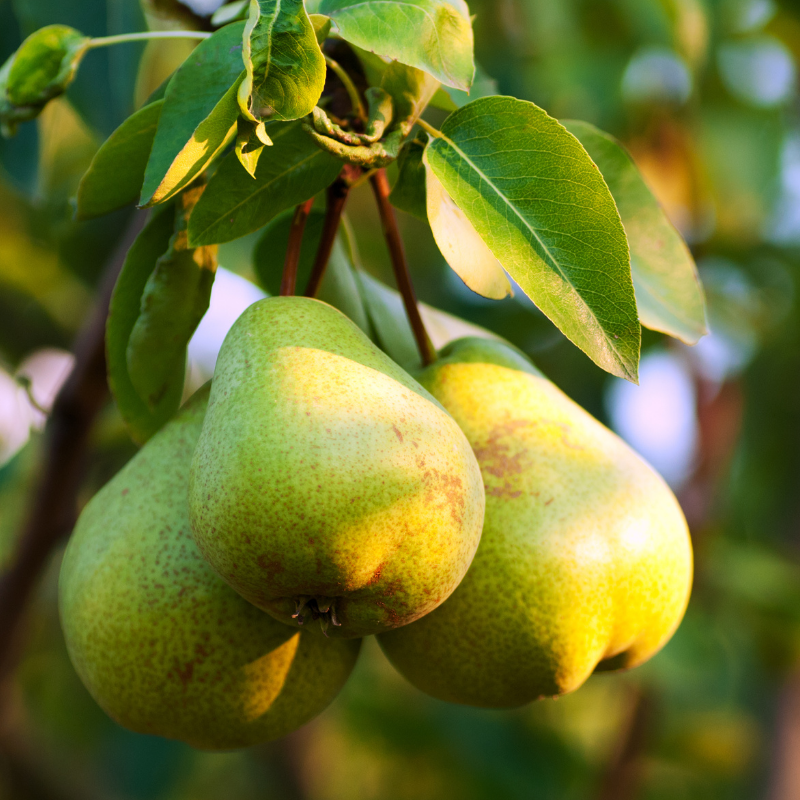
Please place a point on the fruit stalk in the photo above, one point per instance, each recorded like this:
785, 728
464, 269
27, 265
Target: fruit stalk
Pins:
380, 186
54, 508
337, 197
289, 280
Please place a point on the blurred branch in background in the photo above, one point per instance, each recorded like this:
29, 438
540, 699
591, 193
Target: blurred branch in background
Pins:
54, 508
786, 749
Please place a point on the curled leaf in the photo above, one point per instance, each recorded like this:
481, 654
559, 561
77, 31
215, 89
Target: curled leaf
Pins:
174, 300
42, 68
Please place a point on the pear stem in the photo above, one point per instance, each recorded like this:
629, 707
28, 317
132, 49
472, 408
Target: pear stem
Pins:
380, 186
289, 280
337, 197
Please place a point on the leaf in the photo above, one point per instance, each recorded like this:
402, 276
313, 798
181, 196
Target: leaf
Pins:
411, 90
229, 13
174, 300
322, 26
339, 286
114, 178
250, 143
449, 99
539, 202
285, 69
431, 35
409, 193
461, 245
140, 262
199, 115
289, 173
42, 68
668, 292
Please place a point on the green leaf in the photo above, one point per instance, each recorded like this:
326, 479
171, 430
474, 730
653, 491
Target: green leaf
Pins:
199, 115
539, 202
252, 138
449, 99
289, 173
431, 35
285, 69
229, 13
668, 291
174, 300
42, 68
411, 90
461, 245
114, 178
339, 287
140, 262
322, 26
408, 193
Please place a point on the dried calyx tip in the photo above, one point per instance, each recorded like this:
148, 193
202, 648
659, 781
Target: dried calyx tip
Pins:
322, 608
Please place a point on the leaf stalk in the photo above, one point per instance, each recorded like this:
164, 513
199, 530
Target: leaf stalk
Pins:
122, 38
350, 87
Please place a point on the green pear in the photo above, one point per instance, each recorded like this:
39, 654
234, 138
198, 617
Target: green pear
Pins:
326, 482
585, 562
164, 645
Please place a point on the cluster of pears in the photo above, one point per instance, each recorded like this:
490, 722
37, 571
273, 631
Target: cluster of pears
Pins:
500, 542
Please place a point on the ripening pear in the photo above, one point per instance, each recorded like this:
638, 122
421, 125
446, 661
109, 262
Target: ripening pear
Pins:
164, 645
585, 561
327, 482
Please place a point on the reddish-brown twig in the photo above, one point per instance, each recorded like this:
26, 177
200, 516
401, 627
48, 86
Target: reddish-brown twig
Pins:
397, 253
337, 197
289, 279
54, 506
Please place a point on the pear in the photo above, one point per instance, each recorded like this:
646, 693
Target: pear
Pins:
326, 482
585, 562
164, 645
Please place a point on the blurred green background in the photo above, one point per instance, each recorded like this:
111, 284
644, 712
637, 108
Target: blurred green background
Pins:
704, 93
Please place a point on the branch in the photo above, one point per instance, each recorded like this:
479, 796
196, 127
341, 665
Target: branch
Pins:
54, 507
289, 280
380, 186
337, 197
623, 777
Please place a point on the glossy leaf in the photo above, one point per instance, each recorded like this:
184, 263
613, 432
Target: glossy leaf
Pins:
114, 178
339, 286
531, 191
174, 300
668, 291
199, 115
431, 35
285, 69
124, 310
408, 193
288, 173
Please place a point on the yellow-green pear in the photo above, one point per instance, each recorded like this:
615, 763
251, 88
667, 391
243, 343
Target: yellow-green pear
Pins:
164, 645
327, 482
585, 561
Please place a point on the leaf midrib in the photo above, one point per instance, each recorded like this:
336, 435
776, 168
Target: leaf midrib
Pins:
554, 264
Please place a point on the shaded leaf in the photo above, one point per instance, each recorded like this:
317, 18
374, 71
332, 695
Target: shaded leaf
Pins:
431, 35
229, 13
249, 144
174, 300
114, 178
668, 290
408, 193
140, 262
198, 117
285, 69
339, 286
539, 202
289, 173
411, 90
461, 245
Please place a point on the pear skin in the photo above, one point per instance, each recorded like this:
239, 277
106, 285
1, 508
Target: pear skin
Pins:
585, 562
327, 483
161, 642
